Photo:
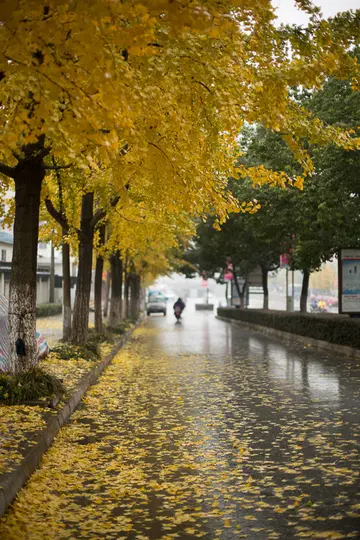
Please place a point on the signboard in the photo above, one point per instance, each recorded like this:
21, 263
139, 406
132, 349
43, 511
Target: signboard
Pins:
229, 270
349, 281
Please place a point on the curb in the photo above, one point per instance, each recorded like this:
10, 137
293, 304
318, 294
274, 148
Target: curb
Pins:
287, 336
13, 481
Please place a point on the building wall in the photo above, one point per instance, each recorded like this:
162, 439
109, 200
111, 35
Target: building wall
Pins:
5, 251
43, 281
42, 290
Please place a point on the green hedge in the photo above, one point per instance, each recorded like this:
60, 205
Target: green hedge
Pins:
339, 329
46, 310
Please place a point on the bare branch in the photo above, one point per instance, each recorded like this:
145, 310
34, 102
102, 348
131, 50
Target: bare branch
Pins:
7, 171
204, 86
100, 214
57, 167
58, 216
162, 151
16, 155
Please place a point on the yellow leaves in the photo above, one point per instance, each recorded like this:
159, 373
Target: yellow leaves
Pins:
131, 457
189, 102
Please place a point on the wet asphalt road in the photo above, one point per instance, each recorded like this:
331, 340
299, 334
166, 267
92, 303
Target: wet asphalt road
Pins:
203, 429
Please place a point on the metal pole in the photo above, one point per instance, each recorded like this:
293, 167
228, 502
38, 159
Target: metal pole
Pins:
287, 289
52, 275
293, 291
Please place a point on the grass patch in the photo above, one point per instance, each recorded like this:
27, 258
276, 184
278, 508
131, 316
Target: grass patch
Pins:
67, 351
28, 386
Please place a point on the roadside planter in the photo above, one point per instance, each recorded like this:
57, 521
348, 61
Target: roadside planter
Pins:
339, 331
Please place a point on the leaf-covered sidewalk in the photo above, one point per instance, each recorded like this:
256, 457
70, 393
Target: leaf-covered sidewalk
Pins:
192, 446
19, 424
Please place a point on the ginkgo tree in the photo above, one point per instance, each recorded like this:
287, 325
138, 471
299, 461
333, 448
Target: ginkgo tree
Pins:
156, 92
141, 241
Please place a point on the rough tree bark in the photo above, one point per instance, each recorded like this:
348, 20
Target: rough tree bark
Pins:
126, 309
28, 175
98, 285
83, 283
88, 222
135, 295
22, 301
106, 294
304, 290
240, 291
264, 277
60, 217
116, 289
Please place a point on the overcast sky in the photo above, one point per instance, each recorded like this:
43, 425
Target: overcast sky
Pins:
287, 13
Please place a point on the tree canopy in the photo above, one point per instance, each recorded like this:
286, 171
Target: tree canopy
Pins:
142, 102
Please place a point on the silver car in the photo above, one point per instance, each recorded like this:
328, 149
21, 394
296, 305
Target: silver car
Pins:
156, 305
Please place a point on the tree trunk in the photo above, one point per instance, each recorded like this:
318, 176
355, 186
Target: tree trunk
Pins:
52, 275
239, 291
137, 291
133, 294
66, 288
83, 282
116, 289
126, 295
22, 302
304, 290
264, 276
98, 285
106, 294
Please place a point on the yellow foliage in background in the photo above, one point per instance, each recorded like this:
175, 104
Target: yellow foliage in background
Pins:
146, 99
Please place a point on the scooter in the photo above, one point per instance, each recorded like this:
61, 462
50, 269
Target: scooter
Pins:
177, 312
317, 309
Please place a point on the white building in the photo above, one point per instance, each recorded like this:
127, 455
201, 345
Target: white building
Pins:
43, 269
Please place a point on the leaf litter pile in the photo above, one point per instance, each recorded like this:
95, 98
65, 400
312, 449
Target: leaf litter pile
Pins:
19, 424
194, 446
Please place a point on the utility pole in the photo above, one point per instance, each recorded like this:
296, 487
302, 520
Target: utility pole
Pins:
52, 275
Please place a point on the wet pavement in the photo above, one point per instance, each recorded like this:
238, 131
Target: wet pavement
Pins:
204, 430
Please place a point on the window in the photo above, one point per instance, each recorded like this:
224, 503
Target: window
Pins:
3, 255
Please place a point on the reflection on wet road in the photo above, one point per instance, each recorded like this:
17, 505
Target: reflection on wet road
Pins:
204, 430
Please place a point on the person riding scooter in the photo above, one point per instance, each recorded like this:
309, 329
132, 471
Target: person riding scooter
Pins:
179, 307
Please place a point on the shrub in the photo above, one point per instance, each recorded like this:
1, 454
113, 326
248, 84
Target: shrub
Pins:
46, 310
122, 327
66, 350
119, 329
337, 329
30, 385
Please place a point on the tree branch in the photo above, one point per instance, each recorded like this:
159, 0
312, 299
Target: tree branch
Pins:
56, 215
57, 167
204, 86
7, 171
100, 214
